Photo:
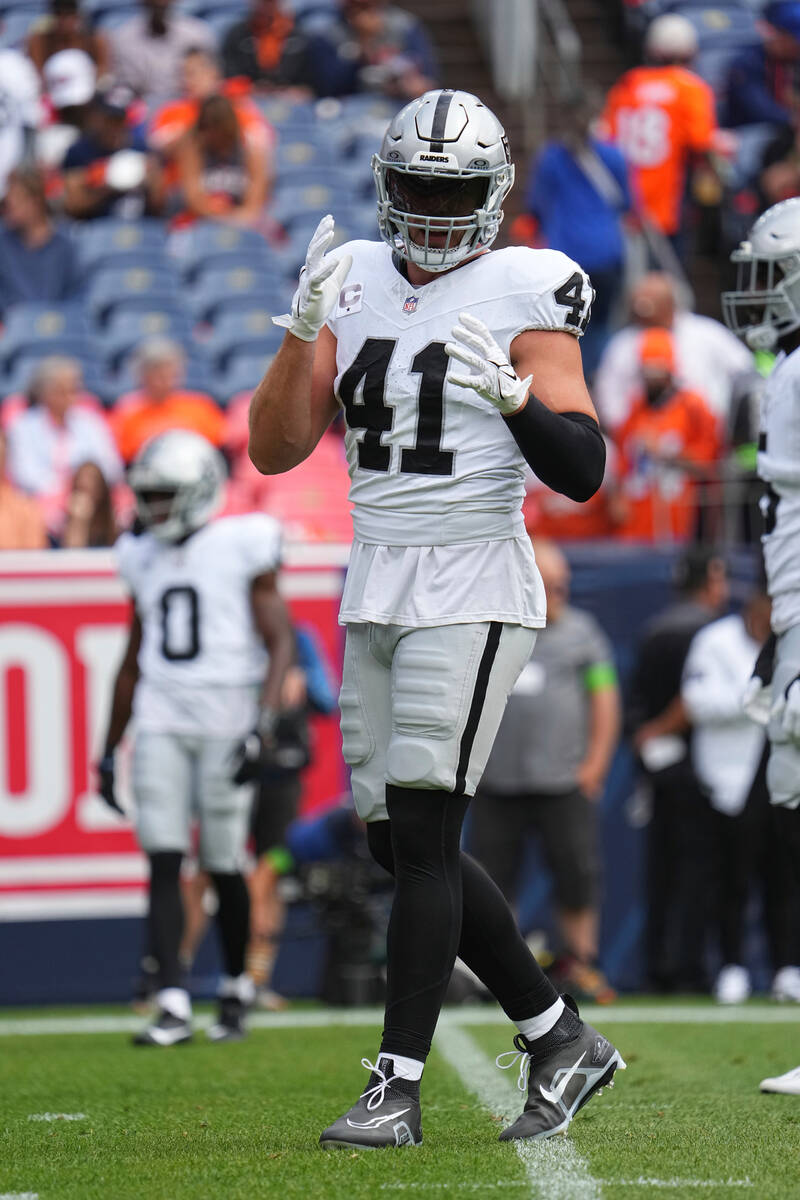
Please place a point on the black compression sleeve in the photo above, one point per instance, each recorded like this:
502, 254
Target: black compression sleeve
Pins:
565, 450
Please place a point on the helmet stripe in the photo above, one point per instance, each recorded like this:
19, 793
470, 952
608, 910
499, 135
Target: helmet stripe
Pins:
440, 121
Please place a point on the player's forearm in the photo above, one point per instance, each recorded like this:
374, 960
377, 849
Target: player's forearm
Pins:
281, 431
604, 730
121, 708
565, 450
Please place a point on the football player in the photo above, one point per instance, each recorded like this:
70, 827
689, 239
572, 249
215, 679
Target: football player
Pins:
454, 365
209, 645
764, 310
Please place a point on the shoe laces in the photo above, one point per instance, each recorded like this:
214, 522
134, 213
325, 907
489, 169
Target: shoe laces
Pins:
520, 1056
376, 1094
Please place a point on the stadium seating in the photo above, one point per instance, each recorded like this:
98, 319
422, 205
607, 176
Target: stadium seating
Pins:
132, 289
248, 331
108, 242
235, 289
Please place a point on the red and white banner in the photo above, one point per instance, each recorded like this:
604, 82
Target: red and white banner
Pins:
63, 627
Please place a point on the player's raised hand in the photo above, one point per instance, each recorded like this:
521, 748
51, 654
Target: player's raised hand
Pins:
492, 376
321, 280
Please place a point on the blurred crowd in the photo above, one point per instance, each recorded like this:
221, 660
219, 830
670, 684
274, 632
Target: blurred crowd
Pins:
163, 162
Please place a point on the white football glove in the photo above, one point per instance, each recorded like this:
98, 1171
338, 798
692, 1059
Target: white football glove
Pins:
757, 700
786, 712
494, 378
321, 280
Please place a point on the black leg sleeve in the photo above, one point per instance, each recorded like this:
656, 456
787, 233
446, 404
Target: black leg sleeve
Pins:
490, 944
165, 916
425, 922
233, 919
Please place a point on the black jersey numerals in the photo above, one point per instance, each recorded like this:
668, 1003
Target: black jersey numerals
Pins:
570, 295
373, 414
180, 624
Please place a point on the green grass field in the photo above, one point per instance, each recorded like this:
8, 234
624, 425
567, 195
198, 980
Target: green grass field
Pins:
202, 1122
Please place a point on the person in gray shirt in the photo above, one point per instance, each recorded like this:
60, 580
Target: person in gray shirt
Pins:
547, 770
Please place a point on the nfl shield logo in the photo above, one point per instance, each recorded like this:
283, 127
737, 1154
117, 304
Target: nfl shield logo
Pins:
410, 305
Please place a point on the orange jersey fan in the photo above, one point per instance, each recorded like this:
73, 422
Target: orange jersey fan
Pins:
660, 116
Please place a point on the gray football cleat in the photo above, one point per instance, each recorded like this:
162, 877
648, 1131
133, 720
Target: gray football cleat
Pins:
165, 1030
229, 1025
386, 1114
560, 1077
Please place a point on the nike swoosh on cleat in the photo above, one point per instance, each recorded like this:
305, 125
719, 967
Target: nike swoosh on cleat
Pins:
376, 1122
555, 1095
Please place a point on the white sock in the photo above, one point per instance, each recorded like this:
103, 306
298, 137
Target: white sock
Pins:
542, 1023
406, 1068
176, 1001
240, 987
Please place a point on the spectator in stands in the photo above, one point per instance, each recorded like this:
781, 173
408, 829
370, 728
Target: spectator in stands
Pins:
372, 47
662, 117
70, 82
764, 79
678, 879
148, 50
548, 514
37, 261
161, 403
201, 78
57, 432
108, 171
669, 442
266, 47
22, 525
749, 836
21, 110
90, 520
547, 770
578, 194
64, 28
708, 358
223, 177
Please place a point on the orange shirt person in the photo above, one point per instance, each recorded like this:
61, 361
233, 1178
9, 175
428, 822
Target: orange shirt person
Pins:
161, 403
661, 115
668, 442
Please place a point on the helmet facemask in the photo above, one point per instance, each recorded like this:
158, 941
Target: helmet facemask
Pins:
438, 218
765, 305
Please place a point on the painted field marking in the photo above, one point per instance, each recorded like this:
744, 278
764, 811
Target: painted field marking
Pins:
19, 1196
508, 1184
745, 1014
57, 1117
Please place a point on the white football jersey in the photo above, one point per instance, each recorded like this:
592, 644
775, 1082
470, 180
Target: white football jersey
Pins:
434, 465
201, 660
779, 467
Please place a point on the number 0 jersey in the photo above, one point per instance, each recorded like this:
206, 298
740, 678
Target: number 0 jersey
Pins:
201, 659
437, 478
779, 467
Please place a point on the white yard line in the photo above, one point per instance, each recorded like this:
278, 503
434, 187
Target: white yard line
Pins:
517, 1184
555, 1169
748, 1014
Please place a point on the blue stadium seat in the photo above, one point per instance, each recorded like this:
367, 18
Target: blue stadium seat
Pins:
15, 26
721, 25
210, 244
198, 377
243, 374
43, 328
126, 330
132, 289
249, 331
301, 153
19, 376
288, 118
234, 288
108, 242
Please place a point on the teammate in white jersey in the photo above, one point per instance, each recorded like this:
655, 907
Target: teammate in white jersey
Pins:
430, 343
209, 644
765, 311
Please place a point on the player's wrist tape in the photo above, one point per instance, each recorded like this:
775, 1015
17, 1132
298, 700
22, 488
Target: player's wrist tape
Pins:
565, 451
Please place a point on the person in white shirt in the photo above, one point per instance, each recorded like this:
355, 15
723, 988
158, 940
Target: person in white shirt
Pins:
58, 431
710, 360
148, 51
431, 342
764, 310
21, 111
730, 764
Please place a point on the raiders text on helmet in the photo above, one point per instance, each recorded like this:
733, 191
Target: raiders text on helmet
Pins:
178, 480
442, 173
765, 305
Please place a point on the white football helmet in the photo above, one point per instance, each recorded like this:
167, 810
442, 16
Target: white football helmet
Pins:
766, 302
178, 480
442, 173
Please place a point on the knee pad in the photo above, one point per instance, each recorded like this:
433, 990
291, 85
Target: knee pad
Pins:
419, 762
